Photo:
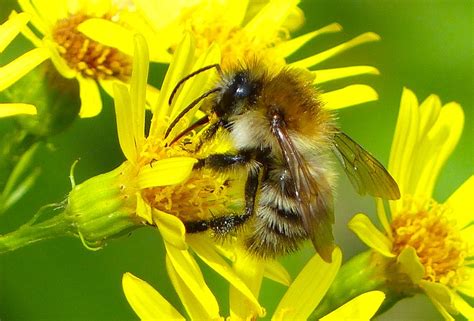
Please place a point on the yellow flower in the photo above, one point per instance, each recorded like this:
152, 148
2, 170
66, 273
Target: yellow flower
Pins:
8, 31
59, 33
302, 296
430, 242
255, 29
160, 178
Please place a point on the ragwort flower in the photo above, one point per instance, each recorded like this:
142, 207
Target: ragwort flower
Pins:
168, 192
156, 186
58, 34
252, 29
302, 296
430, 242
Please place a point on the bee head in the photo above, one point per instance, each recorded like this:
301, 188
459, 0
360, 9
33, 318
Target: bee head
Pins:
238, 95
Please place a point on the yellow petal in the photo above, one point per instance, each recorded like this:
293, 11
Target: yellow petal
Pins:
152, 95
437, 146
59, 62
320, 57
269, 19
277, 272
325, 75
288, 47
35, 18
161, 13
197, 85
144, 209
294, 20
370, 235
147, 303
463, 307
430, 109
10, 29
98, 8
411, 265
383, 218
164, 172
22, 65
467, 287
349, 96
171, 229
462, 203
108, 33
50, 12
362, 307
123, 116
158, 41
26, 31
206, 251
13, 109
178, 69
189, 283
440, 295
308, 288
138, 87
226, 251
404, 143
108, 86
91, 103
250, 270
234, 12
467, 234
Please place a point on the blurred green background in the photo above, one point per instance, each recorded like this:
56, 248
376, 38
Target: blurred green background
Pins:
426, 46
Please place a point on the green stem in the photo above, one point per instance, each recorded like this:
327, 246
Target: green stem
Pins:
12, 146
28, 234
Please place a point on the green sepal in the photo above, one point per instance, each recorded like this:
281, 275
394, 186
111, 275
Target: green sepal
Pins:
101, 208
367, 271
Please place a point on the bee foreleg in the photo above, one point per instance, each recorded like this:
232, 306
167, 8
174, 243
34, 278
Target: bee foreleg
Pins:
209, 133
222, 225
226, 162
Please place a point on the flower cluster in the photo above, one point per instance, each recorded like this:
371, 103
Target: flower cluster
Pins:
428, 241
424, 246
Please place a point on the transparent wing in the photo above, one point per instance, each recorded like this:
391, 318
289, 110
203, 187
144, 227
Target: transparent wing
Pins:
314, 198
365, 172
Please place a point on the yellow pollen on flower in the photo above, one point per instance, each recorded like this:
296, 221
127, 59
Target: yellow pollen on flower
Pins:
90, 58
203, 195
437, 242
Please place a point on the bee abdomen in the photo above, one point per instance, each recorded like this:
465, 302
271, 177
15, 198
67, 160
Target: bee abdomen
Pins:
277, 231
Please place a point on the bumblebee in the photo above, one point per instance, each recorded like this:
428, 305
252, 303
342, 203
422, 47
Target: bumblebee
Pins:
283, 139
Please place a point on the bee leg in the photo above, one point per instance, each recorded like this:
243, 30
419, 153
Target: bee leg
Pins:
222, 225
209, 133
225, 162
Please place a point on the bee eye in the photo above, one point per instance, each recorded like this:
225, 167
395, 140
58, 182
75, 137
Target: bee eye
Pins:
241, 86
239, 95
242, 91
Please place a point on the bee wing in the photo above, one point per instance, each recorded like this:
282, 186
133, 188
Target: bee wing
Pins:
366, 174
315, 204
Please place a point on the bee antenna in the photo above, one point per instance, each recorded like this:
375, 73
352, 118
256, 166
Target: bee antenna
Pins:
197, 72
188, 108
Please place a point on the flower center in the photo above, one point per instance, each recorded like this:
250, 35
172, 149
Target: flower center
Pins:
235, 42
438, 243
199, 197
204, 194
90, 58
